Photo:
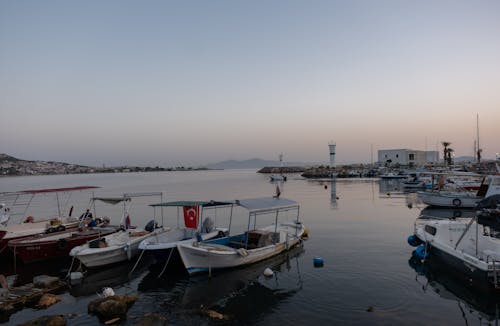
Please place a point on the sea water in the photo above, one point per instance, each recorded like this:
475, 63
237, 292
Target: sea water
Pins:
357, 227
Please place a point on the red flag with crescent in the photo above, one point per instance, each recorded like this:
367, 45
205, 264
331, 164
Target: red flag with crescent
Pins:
191, 216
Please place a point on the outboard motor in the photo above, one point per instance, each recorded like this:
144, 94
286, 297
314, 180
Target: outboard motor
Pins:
151, 226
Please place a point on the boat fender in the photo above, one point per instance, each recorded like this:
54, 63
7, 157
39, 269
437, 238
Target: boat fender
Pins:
305, 234
62, 244
318, 262
414, 241
420, 252
242, 252
457, 213
268, 272
457, 202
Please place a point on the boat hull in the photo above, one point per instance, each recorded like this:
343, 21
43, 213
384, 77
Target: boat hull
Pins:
53, 246
454, 242
122, 247
205, 257
456, 200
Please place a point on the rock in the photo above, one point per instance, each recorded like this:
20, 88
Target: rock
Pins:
4, 293
152, 320
56, 320
48, 300
45, 281
111, 307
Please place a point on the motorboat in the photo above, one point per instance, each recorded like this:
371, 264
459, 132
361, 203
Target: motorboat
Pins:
119, 246
55, 245
256, 244
460, 198
163, 245
393, 175
279, 176
15, 228
470, 245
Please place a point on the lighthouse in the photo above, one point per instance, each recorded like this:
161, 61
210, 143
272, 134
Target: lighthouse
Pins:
331, 146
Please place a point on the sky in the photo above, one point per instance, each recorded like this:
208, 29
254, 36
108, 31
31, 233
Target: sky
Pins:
169, 83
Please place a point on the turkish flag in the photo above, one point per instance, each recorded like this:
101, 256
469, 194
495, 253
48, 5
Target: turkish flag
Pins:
191, 216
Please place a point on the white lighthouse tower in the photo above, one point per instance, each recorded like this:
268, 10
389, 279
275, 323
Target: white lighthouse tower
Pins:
331, 146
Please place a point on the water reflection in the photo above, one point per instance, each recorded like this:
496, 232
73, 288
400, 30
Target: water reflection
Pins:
475, 301
242, 293
111, 276
390, 188
446, 213
328, 183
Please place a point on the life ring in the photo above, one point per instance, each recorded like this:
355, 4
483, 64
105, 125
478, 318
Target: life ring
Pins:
62, 244
457, 202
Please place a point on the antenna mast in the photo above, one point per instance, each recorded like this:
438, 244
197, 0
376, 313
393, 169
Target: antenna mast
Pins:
478, 147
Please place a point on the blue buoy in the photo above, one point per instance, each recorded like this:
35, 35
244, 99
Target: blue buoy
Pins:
414, 241
421, 252
318, 262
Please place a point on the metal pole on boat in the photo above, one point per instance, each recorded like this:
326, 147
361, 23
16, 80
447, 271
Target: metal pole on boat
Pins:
58, 205
276, 227
230, 220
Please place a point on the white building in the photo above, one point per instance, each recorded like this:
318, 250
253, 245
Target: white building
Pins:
407, 157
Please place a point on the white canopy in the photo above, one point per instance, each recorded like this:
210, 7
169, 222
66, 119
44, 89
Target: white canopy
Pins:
266, 204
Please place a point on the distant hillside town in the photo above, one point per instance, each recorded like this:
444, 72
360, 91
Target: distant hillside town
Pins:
11, 166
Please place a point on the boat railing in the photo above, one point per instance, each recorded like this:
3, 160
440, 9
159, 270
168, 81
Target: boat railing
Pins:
493, 258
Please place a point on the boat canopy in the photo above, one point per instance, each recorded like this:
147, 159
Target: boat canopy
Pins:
265, 204
112, 200
57, 189
192, 203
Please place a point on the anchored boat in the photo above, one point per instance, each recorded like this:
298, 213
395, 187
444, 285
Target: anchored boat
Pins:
256, 244
471, 245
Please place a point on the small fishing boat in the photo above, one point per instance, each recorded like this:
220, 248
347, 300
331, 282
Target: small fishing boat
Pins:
460, 198
119, 246
13, 228
256, 244
55, 245
163, 246
470, 245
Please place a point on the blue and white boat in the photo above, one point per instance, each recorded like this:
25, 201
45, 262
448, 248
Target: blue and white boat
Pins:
163, 245
256, 244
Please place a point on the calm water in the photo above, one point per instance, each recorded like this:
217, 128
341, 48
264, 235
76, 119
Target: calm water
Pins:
359, 227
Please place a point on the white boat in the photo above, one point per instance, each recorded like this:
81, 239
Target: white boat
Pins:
392, 175
111, 249
280, 176
470, 245
16, 205
256, 244
164, 244
119, 246
466, 199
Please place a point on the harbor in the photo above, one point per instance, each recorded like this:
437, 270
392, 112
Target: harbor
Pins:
355, 266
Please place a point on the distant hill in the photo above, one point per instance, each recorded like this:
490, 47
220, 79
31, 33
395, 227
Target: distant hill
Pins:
8, 158
255, 163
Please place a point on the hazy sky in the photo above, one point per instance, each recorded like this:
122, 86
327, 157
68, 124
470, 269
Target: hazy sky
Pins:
195, 82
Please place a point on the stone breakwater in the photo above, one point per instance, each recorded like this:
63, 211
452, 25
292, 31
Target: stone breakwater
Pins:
284, 169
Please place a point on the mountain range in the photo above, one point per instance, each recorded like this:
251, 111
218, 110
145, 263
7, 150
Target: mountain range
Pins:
255, 163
